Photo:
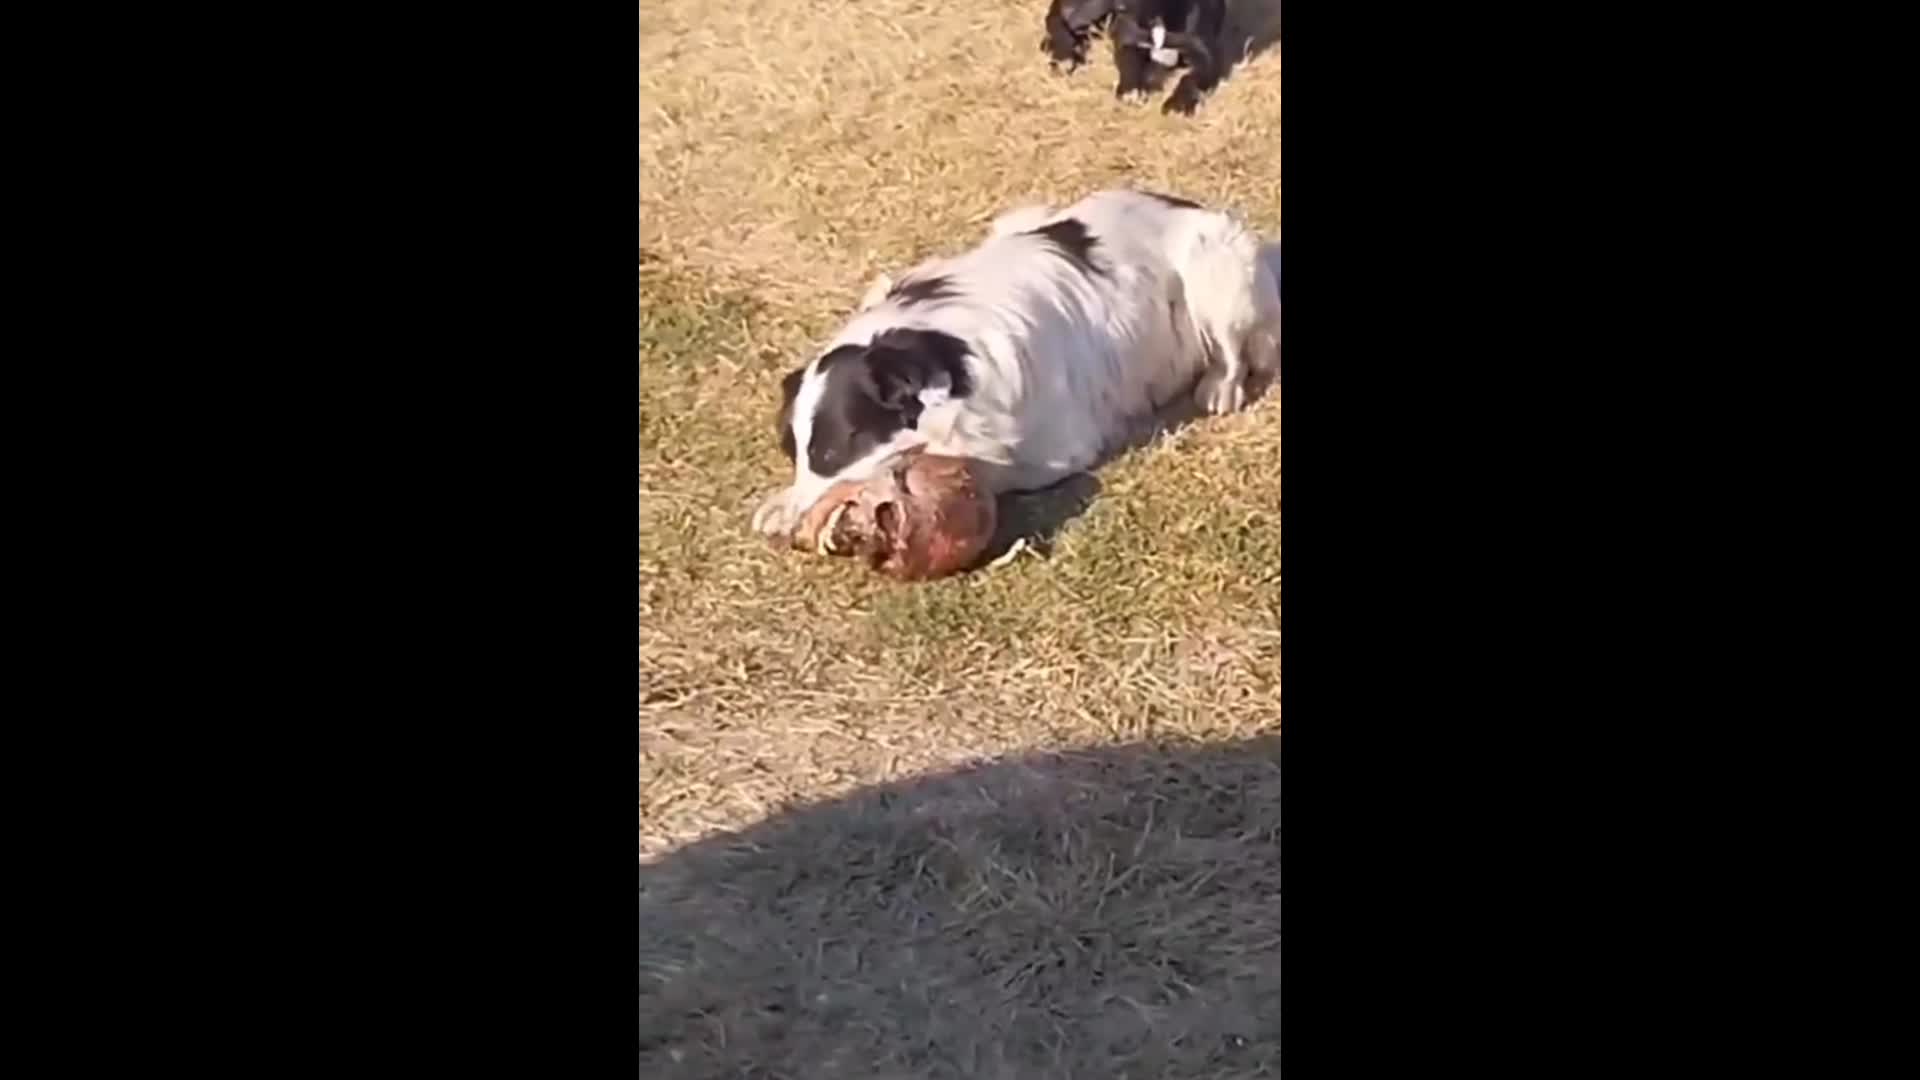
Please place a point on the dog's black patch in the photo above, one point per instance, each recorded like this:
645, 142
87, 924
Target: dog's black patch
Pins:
789, 388
872, 391
1173, 200
1072, 242
842, 353
923, 290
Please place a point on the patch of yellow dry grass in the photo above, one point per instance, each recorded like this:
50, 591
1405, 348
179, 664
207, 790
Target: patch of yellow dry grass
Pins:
789, 151
805, 147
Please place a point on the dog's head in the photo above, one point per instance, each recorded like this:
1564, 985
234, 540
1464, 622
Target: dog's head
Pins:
1070, 27
857, 404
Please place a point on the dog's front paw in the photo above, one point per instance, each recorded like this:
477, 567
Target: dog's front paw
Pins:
1132, 95
776, 517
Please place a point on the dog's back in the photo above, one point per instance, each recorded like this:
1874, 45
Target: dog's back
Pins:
1076, 320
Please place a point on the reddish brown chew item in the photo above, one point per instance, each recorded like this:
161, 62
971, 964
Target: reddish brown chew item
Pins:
920, 516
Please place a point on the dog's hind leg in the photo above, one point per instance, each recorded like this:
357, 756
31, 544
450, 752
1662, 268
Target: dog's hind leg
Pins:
1203, 74
1130, 63
1223, 385
1235, 307
1198, 44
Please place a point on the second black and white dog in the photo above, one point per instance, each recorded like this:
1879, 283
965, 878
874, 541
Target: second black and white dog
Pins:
1170, 33
1037, 352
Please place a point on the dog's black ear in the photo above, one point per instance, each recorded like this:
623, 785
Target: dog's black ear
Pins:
894, 386
901, 363
789, 389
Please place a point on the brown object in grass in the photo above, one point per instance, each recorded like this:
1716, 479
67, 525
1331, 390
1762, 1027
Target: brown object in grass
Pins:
919, 516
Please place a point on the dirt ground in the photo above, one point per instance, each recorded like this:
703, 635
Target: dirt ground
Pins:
1019, 823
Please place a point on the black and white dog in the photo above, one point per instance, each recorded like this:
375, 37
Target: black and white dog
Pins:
1037, 352
1170, 33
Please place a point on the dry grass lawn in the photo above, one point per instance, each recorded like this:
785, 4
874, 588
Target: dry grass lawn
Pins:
789, 151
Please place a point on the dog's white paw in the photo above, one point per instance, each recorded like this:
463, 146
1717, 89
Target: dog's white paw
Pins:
776, 515
1220, 395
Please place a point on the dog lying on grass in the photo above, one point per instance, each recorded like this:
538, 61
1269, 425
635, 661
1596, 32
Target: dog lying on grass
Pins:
1170, 33
1028, 358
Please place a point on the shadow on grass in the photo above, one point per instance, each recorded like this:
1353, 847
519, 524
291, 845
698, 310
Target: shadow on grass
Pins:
1093, 914
1038, 516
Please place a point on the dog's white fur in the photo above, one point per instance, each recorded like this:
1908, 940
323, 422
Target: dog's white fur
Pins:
1064, 363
